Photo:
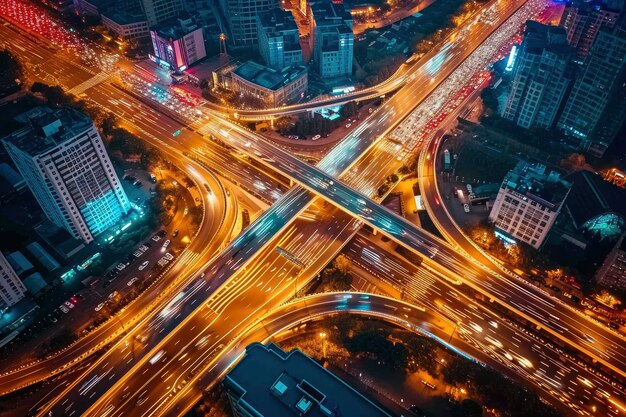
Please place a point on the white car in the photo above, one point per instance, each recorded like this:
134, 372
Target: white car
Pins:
186, 211
137, 253
68, 304
165, 245
120, 266
99, 307
348, 125
143, 248
168, 256
316, 137
466, 208
143, 265
132, 281
64, 309
156, 238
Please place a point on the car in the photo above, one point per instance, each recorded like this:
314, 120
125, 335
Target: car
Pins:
143, 265
168, 256
132, 281
348, 125
186, 211
64, 309
466, 208
53, 319
161, 233
113, 294
176, 232
126, 395
68, 304
120, 266
165, 245
137, 253
316, 137
156, 238
99, 307
163, 261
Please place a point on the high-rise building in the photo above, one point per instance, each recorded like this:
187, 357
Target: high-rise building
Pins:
542, 73
157, 11
12, 289
179, 42
269, 382
241, 19
596, 106
582, 20
279, 39
63, 160
528, 203
612, 273
332, 39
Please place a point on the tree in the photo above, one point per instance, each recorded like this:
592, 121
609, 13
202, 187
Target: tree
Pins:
343, 264
349, 109
469, 408
54, 95
10, 71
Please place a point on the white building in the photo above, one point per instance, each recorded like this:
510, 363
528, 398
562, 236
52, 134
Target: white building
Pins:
12, 289
275, 88
332, 39
126, 25
63, 160
528, 203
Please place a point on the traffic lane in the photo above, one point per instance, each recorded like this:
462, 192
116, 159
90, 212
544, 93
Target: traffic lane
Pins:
403, 232
236, 256
254, 287
585, 329
506, 343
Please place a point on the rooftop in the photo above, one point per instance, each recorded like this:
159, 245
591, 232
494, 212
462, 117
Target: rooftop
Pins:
124, 17
592, 196
176, 27
532, 181
329, 13
277, 20
271, 382
46, 128
539, 37
268, 78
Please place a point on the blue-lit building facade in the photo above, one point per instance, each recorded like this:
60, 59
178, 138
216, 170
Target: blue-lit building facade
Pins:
63, 160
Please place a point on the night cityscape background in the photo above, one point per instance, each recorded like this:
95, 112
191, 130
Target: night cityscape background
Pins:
324, 208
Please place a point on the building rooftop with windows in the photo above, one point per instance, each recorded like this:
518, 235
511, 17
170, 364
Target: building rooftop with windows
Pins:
528, 203
269, 382
274, 87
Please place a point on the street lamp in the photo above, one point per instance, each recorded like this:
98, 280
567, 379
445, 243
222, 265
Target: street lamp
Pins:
323, 336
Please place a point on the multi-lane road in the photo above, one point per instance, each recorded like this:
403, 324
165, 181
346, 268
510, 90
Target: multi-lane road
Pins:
263, 236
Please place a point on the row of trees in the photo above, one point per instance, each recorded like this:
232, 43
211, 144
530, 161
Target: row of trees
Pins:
11, 73
496, 390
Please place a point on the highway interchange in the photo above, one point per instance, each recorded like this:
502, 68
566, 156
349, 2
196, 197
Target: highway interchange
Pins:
267, 279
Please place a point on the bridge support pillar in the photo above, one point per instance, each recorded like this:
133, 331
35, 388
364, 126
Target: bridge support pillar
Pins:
375, 232
291, 184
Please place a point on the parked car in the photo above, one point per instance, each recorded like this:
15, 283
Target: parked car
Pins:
165, 245
466, 208
99, 307
168, 256
143, 265
132, 281
316, 137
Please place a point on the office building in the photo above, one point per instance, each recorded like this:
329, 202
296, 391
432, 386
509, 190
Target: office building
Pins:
273, 87
158, 11
542, 74
63, 160
12, 289
179, 42
528, 203
269, 382
582, 20
241, 19
612, 273
332, 39
128, 25
279, 40
596, 106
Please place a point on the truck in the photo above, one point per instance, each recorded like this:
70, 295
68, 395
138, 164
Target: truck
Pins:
446, 160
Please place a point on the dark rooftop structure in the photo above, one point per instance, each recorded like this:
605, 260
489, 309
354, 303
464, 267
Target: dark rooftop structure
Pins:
595, 204
269, 382
46, 128
532, 181
277, 20
268, 77
539, 37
